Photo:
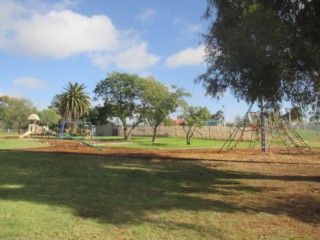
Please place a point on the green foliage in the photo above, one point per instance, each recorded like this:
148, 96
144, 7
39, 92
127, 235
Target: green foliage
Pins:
48, 117
193, 118
15, 111
74, 102
98, 115
160, 102
219, 115
264, 50
55, 103
121, 93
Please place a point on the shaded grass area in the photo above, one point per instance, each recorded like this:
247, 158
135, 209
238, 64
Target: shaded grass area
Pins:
64, 196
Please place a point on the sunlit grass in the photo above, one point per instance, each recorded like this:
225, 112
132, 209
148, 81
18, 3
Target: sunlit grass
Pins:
17, 143
164, 143
62, 196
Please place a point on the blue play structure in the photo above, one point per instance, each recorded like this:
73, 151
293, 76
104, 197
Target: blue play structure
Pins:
90, 130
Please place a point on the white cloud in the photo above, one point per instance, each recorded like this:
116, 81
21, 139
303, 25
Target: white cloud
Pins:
134, 58
147, 15
29, 83
60, 34
187, 57
56, 32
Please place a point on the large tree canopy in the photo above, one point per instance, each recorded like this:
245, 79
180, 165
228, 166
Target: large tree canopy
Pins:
133, 100
15, 111
263, 49
160, 102
121, 93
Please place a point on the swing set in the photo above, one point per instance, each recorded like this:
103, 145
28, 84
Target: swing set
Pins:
87, 130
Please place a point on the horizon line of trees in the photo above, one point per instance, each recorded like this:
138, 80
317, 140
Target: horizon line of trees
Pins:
128, 98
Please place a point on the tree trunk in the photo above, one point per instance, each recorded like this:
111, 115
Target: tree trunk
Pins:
125, 132
154, 133
134, 125
188, 138
74, 126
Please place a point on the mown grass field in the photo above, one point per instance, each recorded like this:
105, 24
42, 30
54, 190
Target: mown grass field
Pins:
79, 196
70, 196
17, 143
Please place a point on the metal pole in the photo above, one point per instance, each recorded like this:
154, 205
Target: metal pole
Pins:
263, 130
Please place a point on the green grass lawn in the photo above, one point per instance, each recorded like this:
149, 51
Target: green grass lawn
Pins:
162, 143
68, 196
171, 143
17, 143
311, 137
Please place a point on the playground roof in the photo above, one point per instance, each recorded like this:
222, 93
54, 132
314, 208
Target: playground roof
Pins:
34, 117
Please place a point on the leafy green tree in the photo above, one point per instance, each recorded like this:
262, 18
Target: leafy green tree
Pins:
16, 111
219, 115
49, 117
98, 115
73, 103
160, 102
121, 93
193, 118
264, 50
55, 103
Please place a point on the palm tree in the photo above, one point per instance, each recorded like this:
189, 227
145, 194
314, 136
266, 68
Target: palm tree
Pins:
74, 103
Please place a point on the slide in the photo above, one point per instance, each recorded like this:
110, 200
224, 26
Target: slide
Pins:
81, 141
51, 132
25, 134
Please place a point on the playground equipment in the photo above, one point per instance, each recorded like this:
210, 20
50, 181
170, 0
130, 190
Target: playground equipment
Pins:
33, 127
268, 128
88, 130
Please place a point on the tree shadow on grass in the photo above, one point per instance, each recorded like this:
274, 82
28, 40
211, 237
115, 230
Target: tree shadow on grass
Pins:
125, 191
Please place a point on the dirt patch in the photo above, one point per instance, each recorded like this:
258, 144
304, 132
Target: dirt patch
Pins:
238, 155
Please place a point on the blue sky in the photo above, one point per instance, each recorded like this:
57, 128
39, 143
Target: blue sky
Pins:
46, 44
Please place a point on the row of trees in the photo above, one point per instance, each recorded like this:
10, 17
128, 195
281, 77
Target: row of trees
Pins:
135, 100
126, 98
130, 99
15, 111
